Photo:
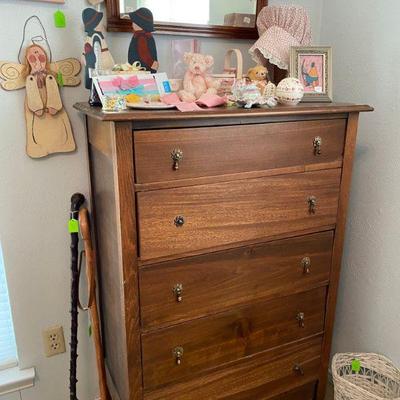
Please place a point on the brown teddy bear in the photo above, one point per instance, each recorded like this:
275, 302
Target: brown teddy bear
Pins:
258, 74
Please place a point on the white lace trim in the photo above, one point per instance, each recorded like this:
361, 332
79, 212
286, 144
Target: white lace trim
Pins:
268, 56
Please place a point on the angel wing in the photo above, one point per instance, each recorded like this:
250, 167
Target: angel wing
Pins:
12, 75
70, 69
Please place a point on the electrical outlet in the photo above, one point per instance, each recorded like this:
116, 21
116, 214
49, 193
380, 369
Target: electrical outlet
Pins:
53, 341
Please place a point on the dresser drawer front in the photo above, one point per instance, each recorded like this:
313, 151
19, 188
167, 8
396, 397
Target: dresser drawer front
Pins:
235, 149
264, 376
213, 282
306, 392
176, 221
209, 342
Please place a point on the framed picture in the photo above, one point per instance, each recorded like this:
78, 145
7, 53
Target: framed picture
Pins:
313, 67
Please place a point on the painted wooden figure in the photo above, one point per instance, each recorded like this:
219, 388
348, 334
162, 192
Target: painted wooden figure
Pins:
96, 55
48, 126
143, 46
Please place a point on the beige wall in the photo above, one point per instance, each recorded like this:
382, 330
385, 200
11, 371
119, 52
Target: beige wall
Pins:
365, 38
34, 198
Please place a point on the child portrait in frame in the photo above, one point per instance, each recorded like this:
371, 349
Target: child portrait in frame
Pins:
313, 67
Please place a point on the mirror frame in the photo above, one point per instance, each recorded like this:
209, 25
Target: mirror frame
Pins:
116, 24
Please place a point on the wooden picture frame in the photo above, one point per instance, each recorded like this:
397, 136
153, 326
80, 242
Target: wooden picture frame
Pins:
116, 24
312, 65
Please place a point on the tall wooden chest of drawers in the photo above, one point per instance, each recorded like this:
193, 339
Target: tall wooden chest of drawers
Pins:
219, 238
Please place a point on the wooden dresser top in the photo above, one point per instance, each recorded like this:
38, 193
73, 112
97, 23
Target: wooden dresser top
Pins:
222, 112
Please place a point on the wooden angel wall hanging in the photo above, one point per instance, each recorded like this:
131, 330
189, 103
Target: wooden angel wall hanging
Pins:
96, 55
48, 128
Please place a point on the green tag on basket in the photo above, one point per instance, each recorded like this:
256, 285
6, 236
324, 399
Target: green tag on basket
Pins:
73, 226
356, 365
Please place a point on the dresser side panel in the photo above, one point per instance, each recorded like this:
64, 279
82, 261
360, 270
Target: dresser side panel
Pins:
350, 145
103, 180
128, 246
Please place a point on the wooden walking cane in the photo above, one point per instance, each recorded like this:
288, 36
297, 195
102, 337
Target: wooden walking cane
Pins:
84, 223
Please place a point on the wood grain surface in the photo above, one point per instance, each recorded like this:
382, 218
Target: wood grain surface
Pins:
212, 341
305, 392
263, 376
241, 115
111, 275
246, 226
234, 211
222, 280
234, 149
351, 137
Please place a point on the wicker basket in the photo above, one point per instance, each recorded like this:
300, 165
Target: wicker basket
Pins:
230, 74
376, 377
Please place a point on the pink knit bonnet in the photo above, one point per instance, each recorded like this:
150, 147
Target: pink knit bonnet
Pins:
280, 27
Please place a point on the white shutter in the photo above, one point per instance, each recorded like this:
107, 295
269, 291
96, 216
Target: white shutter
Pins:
8, 350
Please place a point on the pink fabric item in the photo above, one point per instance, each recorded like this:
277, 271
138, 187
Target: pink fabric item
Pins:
211, 100
170, 99
185, 107
173, 99
280, 27
208, 100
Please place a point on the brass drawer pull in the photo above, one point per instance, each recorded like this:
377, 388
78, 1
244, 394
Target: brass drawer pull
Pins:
179, 221
306, 264
298, 369
312, 204
178, 290
317, 143
177, 157
300, 318
178, 354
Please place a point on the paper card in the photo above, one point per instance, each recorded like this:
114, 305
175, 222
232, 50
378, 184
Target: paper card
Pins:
163, 85
140, 84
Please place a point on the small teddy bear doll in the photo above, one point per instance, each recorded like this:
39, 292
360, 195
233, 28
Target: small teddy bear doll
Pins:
259, 75
197, 80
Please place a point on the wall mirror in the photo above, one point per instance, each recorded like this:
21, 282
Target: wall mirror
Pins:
213, 18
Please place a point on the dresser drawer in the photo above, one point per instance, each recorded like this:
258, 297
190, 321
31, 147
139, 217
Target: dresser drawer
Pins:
261, 377
175, 221
306, 392
209, 342
235, 149
210, 283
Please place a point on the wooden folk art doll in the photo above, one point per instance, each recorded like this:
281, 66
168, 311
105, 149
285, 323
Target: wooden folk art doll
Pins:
143, 46
48, 126
96, 55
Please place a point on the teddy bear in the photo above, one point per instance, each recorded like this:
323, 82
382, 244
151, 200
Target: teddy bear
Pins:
197, 80
259, 76
258, 73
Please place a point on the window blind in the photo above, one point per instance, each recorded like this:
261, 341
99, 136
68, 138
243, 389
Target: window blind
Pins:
8, 350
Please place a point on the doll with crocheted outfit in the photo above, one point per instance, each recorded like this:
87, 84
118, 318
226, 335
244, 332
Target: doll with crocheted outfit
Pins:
197, 80
280, 27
